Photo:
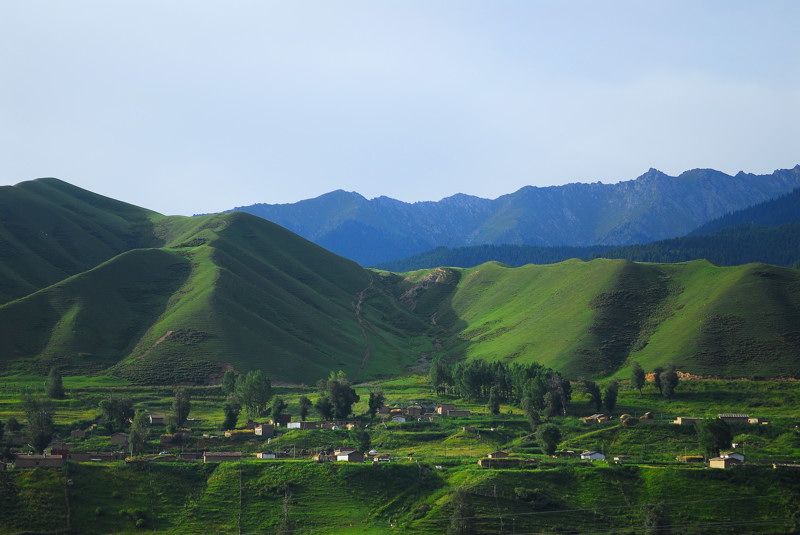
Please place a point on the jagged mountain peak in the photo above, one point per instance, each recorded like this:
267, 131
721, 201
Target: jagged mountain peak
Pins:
651, 207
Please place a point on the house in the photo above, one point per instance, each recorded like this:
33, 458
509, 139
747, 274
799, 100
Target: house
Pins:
157, 419
723, 462
593, 456
266, 455
734, 418
265, 430
498, 455
118, 439
221, 456
283, 419
414, 411
444, 407
38, 461
619, 459
683, 420
458, 412
399, 419
304, 425
350, 456
757, 421
733, 455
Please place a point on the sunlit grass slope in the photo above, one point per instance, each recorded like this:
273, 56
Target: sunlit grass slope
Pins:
259, 296
232, 289
592, 318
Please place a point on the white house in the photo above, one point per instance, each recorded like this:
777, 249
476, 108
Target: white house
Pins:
593, 456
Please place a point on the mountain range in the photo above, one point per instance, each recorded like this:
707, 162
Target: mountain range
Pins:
94, 285
767, 232
652, 207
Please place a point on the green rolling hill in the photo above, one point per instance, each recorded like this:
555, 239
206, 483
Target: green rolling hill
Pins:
590, 319
94, 285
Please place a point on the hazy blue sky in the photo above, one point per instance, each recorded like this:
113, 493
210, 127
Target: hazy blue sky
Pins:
195, 106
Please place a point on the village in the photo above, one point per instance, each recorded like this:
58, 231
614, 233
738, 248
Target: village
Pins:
182, 445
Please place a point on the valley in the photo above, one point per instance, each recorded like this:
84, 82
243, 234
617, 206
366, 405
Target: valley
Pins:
468, 395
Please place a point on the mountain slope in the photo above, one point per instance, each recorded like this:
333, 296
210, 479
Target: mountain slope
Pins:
591, 318
773, 213
768, 232
50, 229
654, 206
222, 290
186, 298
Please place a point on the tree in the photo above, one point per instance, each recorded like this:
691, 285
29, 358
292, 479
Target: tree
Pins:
13, 425
278, 406
140, 432
461, 514
669, 381
305, 406
655, 518
255, 391
228, 382
231, 409
713, 435
657, 371
494, 400
361, 439
591, 389
610, 396
637, 376
39, 413
440, 375
376, 400
116, 412
181, 406
548, 436
324, 408
340, 393
531, 413
54, 385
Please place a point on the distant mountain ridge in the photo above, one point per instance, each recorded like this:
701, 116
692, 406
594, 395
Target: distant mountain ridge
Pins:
768, 232
652, 207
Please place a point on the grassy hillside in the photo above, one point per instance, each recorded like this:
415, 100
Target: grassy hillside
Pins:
50, 230
230, 289
591, 318
95, 285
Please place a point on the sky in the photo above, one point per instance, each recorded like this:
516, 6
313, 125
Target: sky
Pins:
187, 107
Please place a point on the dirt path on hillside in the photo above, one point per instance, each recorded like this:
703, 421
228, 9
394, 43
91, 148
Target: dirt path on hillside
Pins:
357, 303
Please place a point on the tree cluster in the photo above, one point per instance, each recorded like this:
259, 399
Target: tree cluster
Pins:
336, 397
665, 379
539, 388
